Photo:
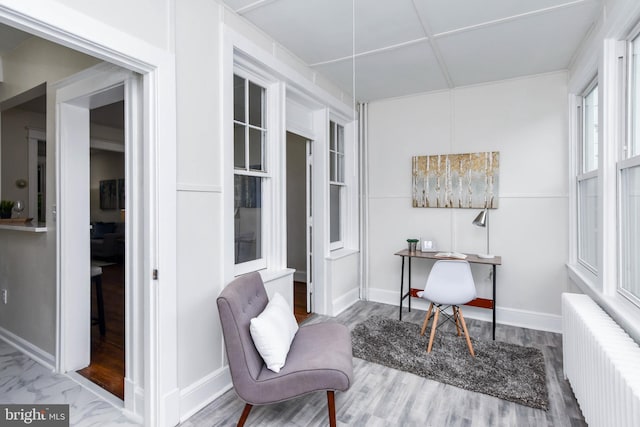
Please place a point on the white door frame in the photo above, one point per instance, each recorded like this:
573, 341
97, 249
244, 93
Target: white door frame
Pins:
58, 23
74, 98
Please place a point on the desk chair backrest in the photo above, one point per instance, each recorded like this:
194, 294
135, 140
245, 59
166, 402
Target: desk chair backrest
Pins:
450, 282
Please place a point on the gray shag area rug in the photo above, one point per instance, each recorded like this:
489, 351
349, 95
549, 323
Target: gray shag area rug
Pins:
508, 371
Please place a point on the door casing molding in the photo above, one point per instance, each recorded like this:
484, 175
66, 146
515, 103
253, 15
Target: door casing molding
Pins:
60, 24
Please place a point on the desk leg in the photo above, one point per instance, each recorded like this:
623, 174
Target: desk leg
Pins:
401, 287
409, 282
494, 302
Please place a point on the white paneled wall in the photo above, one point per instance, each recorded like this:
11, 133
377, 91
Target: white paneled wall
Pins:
525, 120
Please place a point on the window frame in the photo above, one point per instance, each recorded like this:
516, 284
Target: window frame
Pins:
265, 175
582, 176
627, 159
338, 179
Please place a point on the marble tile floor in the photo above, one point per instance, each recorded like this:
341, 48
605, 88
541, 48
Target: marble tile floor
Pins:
25, 381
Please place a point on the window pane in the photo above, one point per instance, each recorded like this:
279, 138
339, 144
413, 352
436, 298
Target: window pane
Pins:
238, 98
332, 166
256, 105
634, 144
630, 230
238, 146
588, 222
256, 145
340, 139
590, 131
334, 208
248, 218
332, 136
340, 177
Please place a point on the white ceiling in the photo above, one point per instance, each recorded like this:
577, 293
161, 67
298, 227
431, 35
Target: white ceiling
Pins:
401, 47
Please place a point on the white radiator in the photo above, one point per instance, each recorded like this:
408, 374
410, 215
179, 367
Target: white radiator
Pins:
602, 364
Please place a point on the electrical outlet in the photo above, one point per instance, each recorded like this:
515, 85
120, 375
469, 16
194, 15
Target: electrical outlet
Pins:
4, 296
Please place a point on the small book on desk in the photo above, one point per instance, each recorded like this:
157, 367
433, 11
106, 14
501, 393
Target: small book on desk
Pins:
454, 255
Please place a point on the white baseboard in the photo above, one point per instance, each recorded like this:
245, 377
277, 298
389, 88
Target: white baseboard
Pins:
504, 315
199, 394
34, 352
136, 406
300, 276
345, 301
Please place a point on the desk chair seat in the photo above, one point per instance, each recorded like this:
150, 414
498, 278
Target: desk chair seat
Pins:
450, 283
96, 278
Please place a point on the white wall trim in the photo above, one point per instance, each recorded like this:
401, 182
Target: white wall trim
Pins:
345, 301
199, 188
504, 316
36, 353
62, 24
204, 391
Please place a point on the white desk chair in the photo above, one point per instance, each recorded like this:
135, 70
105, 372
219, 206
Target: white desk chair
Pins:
450, 283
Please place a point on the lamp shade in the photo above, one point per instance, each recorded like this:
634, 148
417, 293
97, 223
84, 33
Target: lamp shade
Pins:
481, 219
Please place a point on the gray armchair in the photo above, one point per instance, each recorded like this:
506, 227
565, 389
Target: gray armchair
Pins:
320, 357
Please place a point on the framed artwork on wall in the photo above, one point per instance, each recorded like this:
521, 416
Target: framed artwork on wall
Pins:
469, 180
121, 193
108, 194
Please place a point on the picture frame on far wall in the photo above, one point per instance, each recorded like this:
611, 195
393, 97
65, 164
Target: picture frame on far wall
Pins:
121, 193
108, 194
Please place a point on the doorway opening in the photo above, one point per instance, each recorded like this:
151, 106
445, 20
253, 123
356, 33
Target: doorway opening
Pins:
107, 242
299, 223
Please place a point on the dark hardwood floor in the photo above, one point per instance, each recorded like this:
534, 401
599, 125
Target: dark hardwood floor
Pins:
300, 301
107, 353
107, 366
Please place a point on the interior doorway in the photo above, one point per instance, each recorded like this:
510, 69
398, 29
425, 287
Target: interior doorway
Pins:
107, 243
300, 223
100, 215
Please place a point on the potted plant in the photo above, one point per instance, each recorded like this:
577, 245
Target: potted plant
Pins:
5, 208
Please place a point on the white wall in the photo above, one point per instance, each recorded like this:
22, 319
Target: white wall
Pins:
27, 260
526, 121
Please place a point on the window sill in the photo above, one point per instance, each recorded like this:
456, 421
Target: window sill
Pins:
341, 253
625, 313
269, 275
40, 228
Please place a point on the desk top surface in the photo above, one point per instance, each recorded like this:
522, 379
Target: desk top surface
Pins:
473, 258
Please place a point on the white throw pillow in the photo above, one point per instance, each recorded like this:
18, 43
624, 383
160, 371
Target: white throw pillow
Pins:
273, 331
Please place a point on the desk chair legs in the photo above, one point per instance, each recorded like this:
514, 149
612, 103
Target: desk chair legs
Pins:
426, 319
331, 401
466, 332
458, 317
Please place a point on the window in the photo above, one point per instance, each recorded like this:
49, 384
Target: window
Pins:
587, 180
629, 185
336, 185
250, 169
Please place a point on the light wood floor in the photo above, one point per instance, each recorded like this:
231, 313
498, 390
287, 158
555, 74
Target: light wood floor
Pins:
381, 396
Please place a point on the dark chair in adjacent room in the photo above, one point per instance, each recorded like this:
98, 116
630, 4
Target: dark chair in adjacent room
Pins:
320, 357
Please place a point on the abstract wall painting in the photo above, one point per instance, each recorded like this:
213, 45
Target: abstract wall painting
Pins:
469, 180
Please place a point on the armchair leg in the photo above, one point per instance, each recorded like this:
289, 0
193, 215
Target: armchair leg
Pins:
332, 408
245, 415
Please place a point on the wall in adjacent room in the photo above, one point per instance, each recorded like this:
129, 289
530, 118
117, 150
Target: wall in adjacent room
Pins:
525, 120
